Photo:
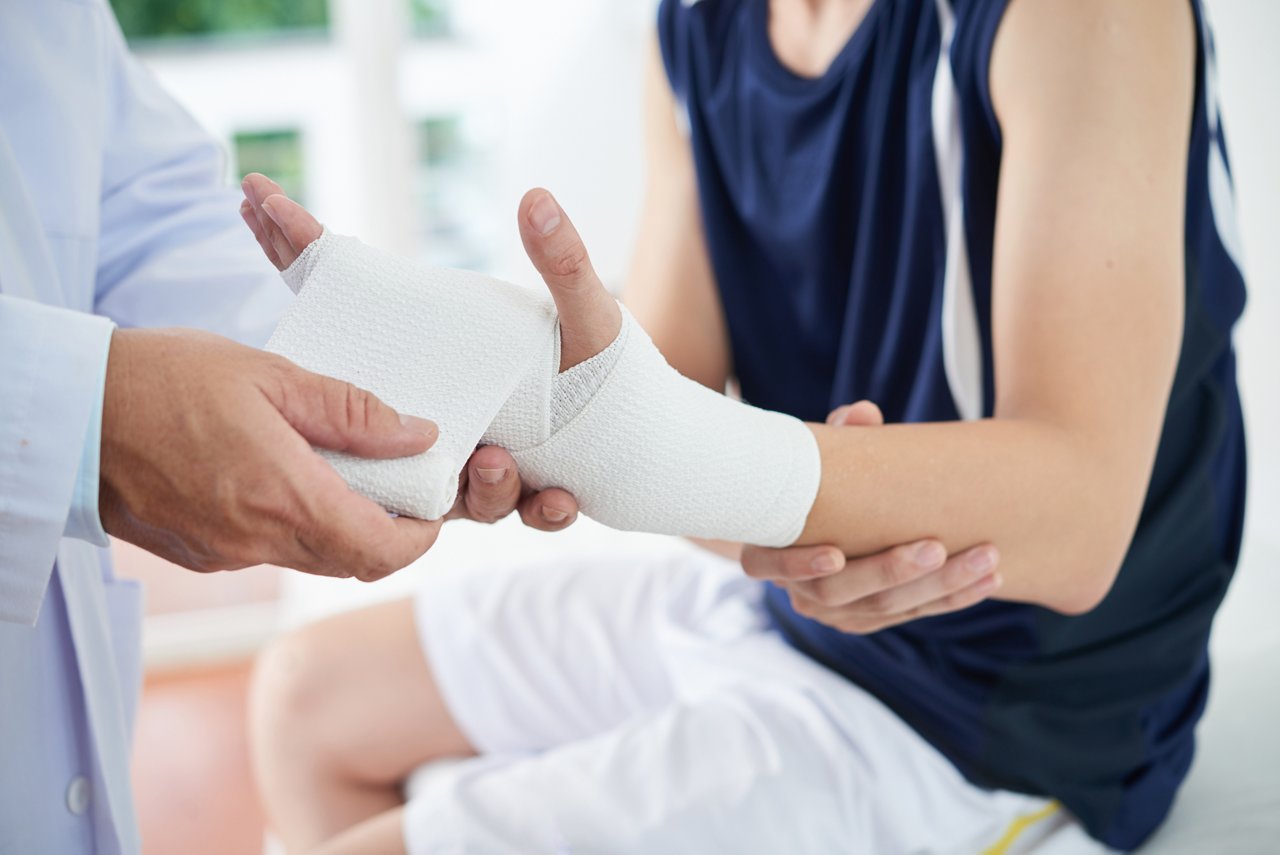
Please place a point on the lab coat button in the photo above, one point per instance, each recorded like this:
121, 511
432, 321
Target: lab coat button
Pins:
78, 794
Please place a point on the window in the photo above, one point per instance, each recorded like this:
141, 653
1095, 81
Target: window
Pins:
452, 195
274, 153
430, 17
162, 19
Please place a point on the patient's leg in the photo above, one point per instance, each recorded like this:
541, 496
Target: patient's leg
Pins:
341, 712
640, 446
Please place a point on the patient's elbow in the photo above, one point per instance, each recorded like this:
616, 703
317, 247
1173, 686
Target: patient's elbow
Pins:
1083, 591
1081, 601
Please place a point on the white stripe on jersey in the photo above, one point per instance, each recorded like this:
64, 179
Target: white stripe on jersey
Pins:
961, 341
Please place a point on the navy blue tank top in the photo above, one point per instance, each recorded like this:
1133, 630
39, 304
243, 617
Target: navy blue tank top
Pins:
850, 222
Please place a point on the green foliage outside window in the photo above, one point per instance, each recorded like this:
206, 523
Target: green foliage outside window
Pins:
151, 19
440, 141
430, 17
276, 154
450, 195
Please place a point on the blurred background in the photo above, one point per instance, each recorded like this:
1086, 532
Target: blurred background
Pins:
418, 124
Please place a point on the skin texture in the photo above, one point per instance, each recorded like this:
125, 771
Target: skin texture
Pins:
1094, 100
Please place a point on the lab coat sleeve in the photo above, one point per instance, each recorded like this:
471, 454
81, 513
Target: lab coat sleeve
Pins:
54, 363
173, 249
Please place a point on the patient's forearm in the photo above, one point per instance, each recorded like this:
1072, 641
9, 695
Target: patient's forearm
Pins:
1053, 504
647, 449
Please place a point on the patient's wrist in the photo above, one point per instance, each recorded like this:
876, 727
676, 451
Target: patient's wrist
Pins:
640, 446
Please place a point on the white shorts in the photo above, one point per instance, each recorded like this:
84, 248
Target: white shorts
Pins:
643, 705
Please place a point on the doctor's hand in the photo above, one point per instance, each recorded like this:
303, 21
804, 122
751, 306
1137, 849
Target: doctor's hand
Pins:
862, 595
207, 460
489, 488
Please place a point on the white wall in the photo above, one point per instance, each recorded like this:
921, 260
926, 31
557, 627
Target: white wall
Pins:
1249, 77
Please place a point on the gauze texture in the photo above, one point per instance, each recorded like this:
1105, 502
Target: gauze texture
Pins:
640, 446
445, 345
652, 450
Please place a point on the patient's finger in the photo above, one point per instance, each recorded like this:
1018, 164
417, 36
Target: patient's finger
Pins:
491, 486
865, 577
589, 315
257, 188
549, 510
860, 414
251, 220
957, 573
794, 563
861, 621
295, 223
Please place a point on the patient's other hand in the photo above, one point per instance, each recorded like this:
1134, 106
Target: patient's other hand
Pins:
490, 487
862, 595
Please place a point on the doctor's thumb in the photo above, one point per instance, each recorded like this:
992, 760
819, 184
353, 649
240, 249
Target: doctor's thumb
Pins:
338, 416
589, 315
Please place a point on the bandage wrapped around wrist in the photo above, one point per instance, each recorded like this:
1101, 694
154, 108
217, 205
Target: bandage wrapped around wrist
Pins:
639, 446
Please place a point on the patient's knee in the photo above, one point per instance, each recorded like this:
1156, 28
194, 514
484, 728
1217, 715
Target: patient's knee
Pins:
294, 695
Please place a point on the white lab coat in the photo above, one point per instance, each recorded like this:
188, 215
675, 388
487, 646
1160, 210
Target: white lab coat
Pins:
113, 205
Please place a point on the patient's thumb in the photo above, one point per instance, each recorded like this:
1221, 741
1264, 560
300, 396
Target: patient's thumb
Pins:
589, 316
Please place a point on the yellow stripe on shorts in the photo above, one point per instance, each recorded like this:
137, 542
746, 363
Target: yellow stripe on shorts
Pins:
1019, 825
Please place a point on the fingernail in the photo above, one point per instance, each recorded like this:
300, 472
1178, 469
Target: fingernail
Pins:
247, 187
418, 426
991, 583
930, 554
981, 561
491, 476
827, 562
271, 211
544, 216
554, 515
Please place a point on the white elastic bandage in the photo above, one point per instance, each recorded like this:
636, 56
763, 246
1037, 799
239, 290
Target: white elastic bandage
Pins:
638, 445
655, 451
446, 345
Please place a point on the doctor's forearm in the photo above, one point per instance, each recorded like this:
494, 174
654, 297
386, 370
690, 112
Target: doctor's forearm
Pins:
1059, 510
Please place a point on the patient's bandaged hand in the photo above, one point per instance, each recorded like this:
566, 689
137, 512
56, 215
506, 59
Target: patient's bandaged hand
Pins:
638, 445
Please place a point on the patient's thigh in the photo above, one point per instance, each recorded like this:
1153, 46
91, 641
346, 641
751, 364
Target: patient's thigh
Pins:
531, 657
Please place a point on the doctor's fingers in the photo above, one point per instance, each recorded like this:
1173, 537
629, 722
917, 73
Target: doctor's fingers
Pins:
345, 534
